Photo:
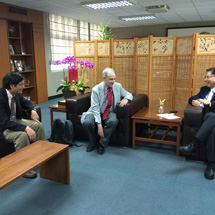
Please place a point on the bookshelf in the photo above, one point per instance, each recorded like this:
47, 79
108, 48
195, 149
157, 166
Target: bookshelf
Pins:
23, 49
21, 55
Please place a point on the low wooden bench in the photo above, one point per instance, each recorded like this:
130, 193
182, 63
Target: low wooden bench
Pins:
53, 159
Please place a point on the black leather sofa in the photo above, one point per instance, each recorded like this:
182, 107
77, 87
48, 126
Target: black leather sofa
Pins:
122, 136
193, 118
7, 148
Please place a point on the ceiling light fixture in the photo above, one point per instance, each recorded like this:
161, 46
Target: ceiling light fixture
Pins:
108, 4
138, 17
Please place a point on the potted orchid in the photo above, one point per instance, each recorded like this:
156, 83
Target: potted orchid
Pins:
73, 85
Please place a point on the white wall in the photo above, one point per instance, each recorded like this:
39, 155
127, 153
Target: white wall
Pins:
154, 30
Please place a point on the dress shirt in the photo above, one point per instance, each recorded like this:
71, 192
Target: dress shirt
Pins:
206, 97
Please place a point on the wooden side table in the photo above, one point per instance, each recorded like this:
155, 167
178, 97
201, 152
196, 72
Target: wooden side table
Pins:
149, 117
56, 108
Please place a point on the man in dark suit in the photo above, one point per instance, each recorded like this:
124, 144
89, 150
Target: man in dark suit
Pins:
206, 133
13, 128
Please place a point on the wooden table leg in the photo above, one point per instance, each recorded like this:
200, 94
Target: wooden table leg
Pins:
51, 117
57, 168
134, 134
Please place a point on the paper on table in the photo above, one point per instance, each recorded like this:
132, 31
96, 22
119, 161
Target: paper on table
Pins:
168, 116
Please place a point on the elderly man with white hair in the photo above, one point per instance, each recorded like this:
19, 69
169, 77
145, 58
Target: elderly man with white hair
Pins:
100, 120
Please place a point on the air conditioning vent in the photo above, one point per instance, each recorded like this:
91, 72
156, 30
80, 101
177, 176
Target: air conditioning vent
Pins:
18, 10
158, 8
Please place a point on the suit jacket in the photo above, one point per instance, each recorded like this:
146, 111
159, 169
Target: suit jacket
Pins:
201, 95
97, 98
5, 113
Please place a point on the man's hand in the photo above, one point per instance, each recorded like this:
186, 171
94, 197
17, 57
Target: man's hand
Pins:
204, 101
123, 102
100, 130
31, 134
196, 103
34, 116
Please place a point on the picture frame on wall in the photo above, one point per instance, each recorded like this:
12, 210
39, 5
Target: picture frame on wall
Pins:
18, 65
11, 49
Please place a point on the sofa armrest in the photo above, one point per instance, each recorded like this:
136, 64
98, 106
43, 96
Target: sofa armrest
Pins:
26, 114
124, 128
139, 101
77, 105
193, 118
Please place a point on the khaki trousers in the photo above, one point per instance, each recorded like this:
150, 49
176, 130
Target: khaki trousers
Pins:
20, 138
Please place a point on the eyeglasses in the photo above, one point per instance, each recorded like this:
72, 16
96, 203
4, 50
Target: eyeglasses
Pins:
208, 77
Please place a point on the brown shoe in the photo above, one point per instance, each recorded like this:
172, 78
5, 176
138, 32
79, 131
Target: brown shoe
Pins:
31, 174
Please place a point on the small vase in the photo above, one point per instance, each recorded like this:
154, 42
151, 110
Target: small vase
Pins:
68, 93
161, 109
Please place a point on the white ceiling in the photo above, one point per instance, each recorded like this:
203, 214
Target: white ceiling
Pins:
181, 11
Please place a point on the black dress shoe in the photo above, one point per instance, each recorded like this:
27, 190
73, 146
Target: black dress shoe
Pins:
209, 172
101, 150
31, 174
189, 149
91, 147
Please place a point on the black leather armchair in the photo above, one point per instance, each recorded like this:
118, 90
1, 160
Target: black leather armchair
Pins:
7, 148
122, 136
193, 118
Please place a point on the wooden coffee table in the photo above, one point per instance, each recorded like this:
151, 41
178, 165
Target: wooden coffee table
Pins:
56, 108
52, 158
149, 117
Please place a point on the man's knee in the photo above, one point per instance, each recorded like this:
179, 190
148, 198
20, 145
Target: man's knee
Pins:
21, 141
89, 121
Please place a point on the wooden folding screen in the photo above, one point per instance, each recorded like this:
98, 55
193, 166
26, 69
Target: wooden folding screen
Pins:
123, 62
104, 57
183, 71
142, 66
170, 68
204, 59
161, 71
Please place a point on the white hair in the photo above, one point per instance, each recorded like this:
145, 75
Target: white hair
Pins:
106, 71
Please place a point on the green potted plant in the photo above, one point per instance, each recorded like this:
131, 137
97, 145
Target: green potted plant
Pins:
106, 32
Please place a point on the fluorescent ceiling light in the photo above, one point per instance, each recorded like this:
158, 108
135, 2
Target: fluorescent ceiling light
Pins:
138, 17
108, 4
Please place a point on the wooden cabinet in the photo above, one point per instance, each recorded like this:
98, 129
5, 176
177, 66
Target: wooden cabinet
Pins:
22, 55
23, 49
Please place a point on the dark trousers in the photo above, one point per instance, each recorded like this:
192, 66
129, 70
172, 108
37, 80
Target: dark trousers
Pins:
206, 134
90, 126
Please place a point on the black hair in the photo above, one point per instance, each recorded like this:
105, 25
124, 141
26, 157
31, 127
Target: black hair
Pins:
212, 70
11, 78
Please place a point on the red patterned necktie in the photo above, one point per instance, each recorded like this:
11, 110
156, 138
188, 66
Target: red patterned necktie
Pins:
107, 110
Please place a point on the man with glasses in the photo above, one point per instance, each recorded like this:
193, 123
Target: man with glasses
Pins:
13, 128
206, 133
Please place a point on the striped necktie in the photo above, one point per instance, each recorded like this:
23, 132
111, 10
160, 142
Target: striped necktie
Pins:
13, 109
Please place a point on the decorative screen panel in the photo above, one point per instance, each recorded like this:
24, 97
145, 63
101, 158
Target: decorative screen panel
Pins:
162, 46
84, 49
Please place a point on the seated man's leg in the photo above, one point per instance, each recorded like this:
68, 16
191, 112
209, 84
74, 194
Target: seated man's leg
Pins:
108, 127
206, 127
201, 135
37, 127
89, 126
19, 138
